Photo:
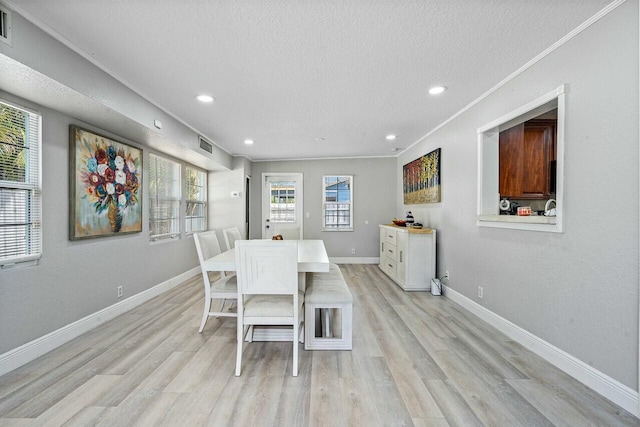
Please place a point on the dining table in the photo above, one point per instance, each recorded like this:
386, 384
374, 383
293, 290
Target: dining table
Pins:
312, 258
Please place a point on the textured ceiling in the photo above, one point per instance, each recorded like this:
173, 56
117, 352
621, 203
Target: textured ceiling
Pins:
286, 73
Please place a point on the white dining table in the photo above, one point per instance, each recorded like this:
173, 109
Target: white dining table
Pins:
312, 258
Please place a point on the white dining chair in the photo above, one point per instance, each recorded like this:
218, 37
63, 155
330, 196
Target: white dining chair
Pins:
230, 236
288, 233
268, 293
225, 288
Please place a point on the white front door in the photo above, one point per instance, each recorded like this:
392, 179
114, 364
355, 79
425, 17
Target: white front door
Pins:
282, 205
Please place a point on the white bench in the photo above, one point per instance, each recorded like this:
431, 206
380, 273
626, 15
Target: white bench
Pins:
328, 293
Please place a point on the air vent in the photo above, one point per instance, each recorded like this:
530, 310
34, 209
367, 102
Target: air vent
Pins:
5, 24
206, 145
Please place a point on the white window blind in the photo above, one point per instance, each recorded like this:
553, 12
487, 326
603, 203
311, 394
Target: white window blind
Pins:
337, 203
20, 185
164, 198
196, 198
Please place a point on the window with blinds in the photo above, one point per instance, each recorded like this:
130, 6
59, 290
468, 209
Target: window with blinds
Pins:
20, 185
196, 200
164, 198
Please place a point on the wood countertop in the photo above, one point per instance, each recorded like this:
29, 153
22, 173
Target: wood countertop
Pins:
412, 230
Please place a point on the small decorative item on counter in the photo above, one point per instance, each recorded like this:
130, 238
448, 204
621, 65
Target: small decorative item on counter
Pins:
409, 219
399, 222
277, 237
524, 211
416, 225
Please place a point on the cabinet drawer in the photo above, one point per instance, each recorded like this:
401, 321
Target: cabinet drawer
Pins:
390, 265
391, 251
390, 236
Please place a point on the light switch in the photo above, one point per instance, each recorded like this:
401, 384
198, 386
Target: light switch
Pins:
307, 215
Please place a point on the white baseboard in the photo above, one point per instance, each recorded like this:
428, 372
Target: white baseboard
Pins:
608, 387
32, 350
354, 260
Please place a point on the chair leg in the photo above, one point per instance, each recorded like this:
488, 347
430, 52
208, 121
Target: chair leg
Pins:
295, 349
240, 329
205, 315
222, 305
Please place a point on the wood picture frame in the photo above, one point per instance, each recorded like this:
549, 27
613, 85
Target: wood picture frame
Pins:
105, 186
421, 179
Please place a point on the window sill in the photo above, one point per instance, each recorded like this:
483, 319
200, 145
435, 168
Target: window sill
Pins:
530, 223
337, 229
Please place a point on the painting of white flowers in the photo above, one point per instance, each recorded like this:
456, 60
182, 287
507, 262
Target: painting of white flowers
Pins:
105, 183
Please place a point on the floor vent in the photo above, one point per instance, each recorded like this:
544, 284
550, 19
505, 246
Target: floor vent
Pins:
206, 145
5, 25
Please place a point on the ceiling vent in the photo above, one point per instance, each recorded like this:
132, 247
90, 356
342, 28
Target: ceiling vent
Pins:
5, 24
206, 145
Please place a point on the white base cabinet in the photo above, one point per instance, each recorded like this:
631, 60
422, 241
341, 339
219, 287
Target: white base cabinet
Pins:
408, 256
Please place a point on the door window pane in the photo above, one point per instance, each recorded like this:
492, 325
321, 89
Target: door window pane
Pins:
283, 202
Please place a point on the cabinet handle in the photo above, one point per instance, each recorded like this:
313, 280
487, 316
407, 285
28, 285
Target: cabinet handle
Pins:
400, 256
390, 251
390, 265
381, 246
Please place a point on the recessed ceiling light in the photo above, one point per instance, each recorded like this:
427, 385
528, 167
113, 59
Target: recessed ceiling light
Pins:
437, 90
248, 141
319, 139
205, 98
390, 137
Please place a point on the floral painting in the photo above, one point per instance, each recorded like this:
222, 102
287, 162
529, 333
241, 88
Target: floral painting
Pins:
105, 186
421, 179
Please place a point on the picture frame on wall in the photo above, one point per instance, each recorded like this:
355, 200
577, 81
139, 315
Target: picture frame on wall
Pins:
105, 186
421, 179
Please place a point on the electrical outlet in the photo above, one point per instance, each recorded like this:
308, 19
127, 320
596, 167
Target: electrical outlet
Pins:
480, 292
120, 291
353, 251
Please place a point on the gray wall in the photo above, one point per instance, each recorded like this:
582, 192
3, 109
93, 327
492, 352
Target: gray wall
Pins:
577, 290
374, 193
75, 279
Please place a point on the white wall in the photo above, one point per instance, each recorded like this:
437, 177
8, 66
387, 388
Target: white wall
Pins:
374, 194
577, 290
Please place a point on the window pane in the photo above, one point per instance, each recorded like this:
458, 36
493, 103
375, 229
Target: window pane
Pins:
20, 194
337, 202
283, 202
164, 198
196, 198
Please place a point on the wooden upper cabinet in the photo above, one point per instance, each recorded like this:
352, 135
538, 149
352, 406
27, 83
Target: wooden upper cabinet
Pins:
527, 160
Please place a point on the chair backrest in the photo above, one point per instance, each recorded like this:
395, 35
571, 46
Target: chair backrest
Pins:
289, 233
267, 267
230, 236
207, 245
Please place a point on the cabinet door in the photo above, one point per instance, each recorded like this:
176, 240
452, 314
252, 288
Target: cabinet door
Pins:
401, 264
511, 161
526, 154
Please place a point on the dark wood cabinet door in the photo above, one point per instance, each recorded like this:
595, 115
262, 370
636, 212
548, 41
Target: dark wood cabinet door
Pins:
526, 154
511, 161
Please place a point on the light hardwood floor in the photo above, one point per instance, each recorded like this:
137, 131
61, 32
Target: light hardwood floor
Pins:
417, 359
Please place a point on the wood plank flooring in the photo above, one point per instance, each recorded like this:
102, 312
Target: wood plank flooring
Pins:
417, 360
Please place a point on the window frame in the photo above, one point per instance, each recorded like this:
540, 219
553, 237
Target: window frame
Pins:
188, 201
33, 184
173, 234
488, 166
325, 203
